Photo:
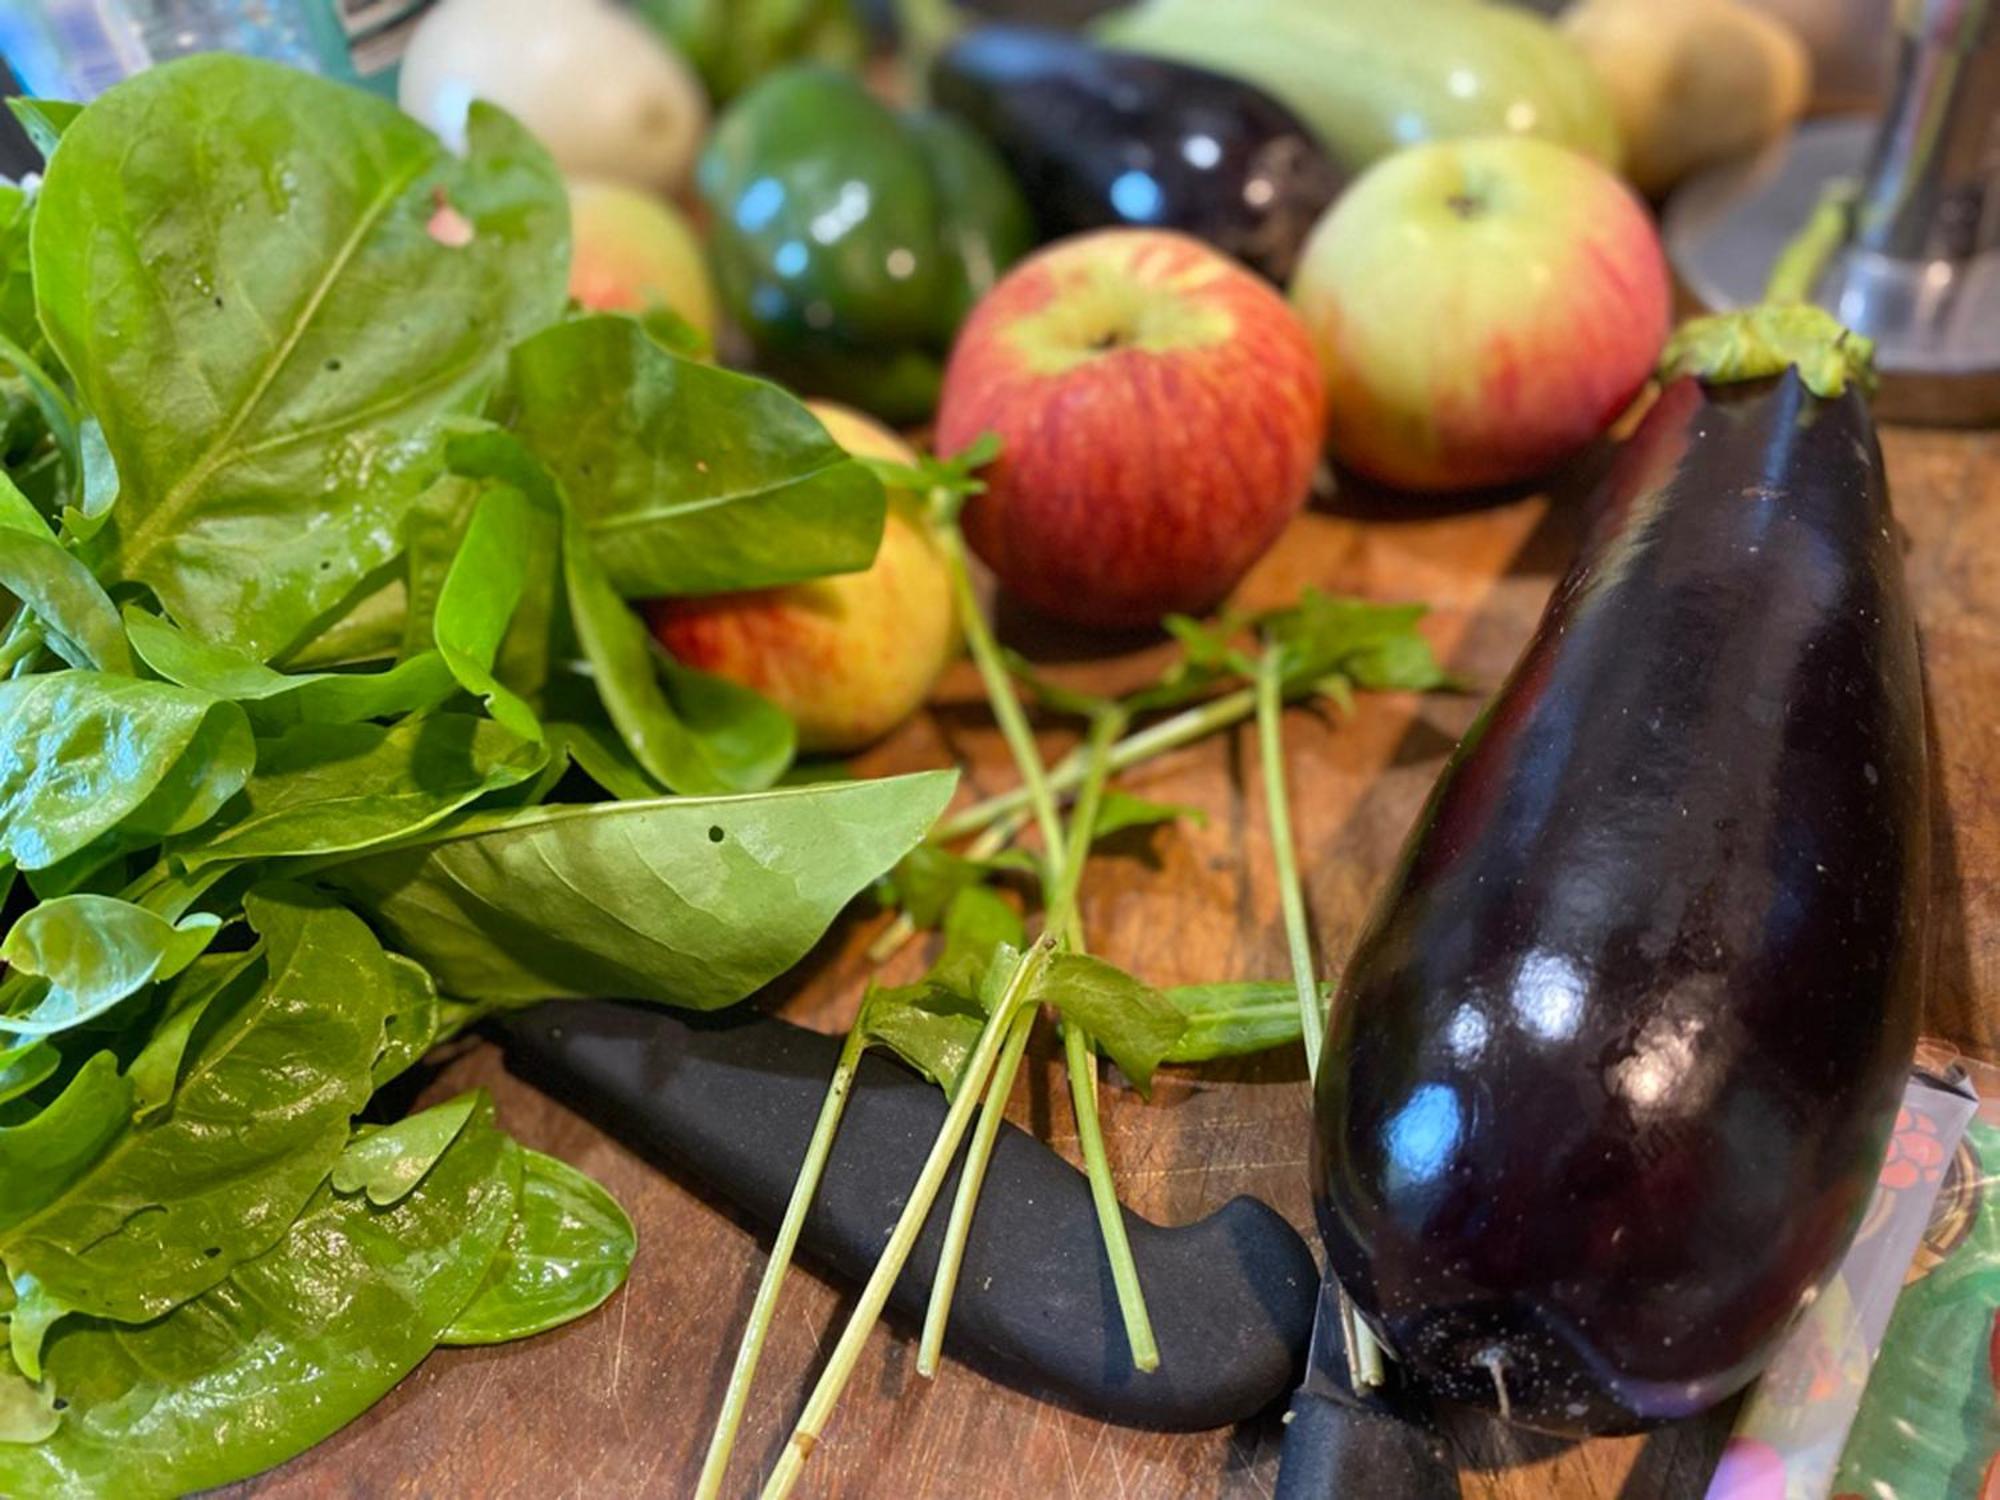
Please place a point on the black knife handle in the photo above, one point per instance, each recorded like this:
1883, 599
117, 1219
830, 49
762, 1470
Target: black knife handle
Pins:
734, 1100
1335, 1450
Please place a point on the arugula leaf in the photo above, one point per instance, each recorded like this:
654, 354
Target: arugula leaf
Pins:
262, 1111
211, 249
86, 754
92, 952
687, 478
480, 593
645, 900
279, 700
1375, 646
569, 1249
335, 788
292, 1346
388, 1161
934, 1023
1236, 1018
1119, 811
693, 733
1135, 1024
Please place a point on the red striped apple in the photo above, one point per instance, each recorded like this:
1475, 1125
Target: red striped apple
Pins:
1482, 309
1159, 409
848, 657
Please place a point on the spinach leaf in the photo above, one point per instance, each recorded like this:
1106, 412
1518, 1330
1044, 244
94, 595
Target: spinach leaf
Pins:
94, 951
211, 251
24, 1066
258, 1117
27, 1411
930, 878
388, 1161
1235, 1018
84, 754
279, 700
156, 1071
412, 1023
478, 599
332, 788
688, 479
693, 733
288, 1349
569, 1249
538, 636
690, 901
45, 120
17, 281
59, 590
43, 1155
1135, 1024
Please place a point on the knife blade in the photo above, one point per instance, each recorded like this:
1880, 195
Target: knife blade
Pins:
1340, 1442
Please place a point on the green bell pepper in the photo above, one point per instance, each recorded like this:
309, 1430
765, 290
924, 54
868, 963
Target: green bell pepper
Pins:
850, 241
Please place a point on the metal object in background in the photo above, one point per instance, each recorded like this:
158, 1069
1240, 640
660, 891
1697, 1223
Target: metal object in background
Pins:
1920, 270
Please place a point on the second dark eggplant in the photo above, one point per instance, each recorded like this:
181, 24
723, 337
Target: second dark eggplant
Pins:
1098, 138
1610, 1075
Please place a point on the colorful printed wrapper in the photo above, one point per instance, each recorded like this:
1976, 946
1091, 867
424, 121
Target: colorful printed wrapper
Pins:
1929, 1426
1789, 1435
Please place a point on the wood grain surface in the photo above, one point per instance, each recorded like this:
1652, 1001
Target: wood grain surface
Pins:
619, 1405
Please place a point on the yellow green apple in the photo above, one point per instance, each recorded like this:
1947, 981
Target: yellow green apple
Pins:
1482, 309
848, 657
632, 251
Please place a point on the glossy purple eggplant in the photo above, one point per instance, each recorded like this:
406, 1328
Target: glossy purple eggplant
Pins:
1611, 1072
1097, 137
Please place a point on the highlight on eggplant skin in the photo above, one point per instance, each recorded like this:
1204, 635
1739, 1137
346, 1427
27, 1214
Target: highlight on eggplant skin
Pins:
1610, 1075
1099, 138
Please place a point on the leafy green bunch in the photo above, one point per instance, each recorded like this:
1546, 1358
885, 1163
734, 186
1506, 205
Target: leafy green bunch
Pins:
325, 726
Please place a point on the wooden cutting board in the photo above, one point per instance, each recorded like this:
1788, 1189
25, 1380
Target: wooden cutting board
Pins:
618, 1406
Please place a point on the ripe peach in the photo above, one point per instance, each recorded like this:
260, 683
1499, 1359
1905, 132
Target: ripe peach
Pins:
632, 251
848, 657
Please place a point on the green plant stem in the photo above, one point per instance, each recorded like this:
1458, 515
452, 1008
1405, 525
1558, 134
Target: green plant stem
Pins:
909, 1224
971, 1178
1291, 895
1183, 728
1364, 1354
23, 641
995, 837
1007, 710
715, 1467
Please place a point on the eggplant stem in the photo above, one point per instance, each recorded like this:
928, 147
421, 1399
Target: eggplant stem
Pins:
715, 1466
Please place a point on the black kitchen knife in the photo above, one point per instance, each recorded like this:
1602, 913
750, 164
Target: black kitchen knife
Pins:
1345, 1445
732, 1099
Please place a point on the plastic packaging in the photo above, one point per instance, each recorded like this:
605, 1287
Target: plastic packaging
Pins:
1790, 1431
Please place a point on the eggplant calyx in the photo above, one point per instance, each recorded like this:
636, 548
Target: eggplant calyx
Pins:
1757, 343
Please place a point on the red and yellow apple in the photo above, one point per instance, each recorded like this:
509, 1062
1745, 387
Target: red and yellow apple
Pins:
1159, 409
631, 252
1482, 309
848, 657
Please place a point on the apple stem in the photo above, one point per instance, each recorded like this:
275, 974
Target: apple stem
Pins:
722, 1442
1183, 728
909, 1224
1291, 892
